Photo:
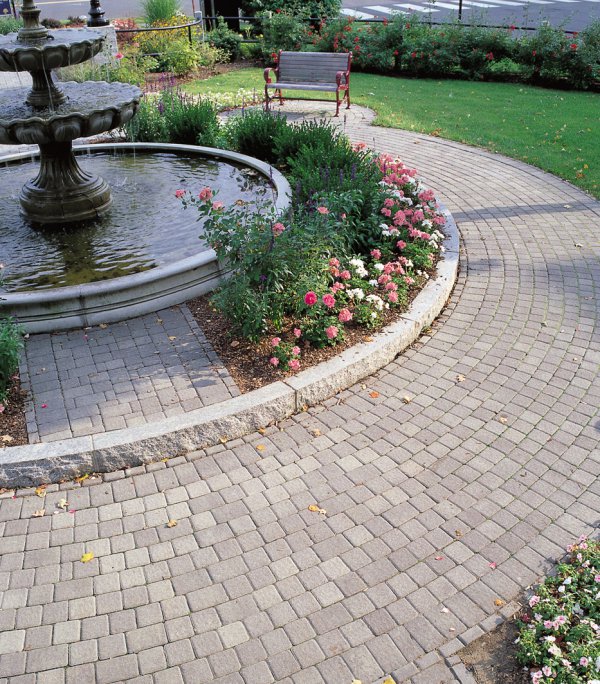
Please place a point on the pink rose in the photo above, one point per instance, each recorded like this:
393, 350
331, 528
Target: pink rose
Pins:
119, 55
401, 245
376, 254
393, 297
323, 210
179, 193
310, 298
345, 275
297, 332
275, 341
345, 315
205, 194
329, 301
296, 351
334, 263
331, 332
2, 408
217, 206
583, 661
294, 364
278, 228
274, 361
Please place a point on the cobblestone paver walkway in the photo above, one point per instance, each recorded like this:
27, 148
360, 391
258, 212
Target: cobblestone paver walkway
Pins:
120, 375
250, 587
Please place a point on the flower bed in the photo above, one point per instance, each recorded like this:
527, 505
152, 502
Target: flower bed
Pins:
559, 636
361, 238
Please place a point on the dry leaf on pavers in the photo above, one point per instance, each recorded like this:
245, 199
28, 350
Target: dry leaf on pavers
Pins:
172, 337
39, 513
356, 681
369, 339
458, 533
315, 432
234, 343
7, 439
460, 378
503, 420
82, 478
159, 321
389, 680
103, 326
444, 610
87, 557
438, 558
374, 395
63, 503
41, 491
406, 399
499, 603
316, 509
262, 431
172, 523
223, 440
493, 565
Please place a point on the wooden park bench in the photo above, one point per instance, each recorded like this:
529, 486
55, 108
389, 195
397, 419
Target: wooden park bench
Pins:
326, 71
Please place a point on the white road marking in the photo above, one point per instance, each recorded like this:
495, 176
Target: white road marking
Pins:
357, 14
415, 8
381, 10
478, 4
445, 5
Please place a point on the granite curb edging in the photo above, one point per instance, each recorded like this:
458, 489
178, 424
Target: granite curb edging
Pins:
44, 463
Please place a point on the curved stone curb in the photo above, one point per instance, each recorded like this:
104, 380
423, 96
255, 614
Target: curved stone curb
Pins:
80, 306
33, 464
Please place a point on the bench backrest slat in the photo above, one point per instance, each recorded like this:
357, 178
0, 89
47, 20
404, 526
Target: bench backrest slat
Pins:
313, 67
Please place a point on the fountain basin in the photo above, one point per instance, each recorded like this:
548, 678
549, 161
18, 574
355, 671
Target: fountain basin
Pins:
63, 47
91, 108
77, 306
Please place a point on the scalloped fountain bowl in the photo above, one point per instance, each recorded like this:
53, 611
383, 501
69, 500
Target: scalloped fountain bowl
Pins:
145, 254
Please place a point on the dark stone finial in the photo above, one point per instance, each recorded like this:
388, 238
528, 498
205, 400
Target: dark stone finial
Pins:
96, 14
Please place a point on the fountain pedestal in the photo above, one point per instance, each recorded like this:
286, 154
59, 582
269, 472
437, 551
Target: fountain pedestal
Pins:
62, 191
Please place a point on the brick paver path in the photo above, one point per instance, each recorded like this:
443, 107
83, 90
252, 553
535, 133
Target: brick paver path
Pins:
120, 375
250, 587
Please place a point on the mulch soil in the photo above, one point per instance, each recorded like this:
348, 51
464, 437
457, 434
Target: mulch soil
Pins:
13, 429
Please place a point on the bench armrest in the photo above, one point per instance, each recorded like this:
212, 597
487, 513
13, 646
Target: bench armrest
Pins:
342, 75
266, 73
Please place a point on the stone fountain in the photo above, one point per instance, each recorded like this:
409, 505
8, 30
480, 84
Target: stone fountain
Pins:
52, 115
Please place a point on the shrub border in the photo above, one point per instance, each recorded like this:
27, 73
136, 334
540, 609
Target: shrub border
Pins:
34, 464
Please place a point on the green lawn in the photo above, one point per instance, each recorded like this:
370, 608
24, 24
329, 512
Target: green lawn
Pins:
558, 131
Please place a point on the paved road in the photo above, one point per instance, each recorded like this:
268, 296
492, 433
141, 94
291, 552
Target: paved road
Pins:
573, 14
250, 587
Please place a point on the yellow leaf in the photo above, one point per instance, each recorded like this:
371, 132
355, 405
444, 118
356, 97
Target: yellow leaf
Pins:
82, 478
315, 432
374, 395
172, 337
260, 447
458, 533
164, 460
406, 399
41, 491
172, 523
316, 509
460, 378
159, 321
368, 339
389, 680
39, 513
262, 431
503, 420
103, 326
499, 602
223, 440
87, 557
7, 438
356, 681
63, 503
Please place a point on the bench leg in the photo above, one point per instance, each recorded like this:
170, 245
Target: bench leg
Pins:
337, 103
348, 97
280, 99
266, 99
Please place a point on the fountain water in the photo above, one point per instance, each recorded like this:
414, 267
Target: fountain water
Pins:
52, 116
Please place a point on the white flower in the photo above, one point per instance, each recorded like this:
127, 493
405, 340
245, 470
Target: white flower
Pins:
427, 224
357, 293
568, 581
407, 201
374, 283
373, 315
442, 248
376, 301
379, 267
357, 262
383, 226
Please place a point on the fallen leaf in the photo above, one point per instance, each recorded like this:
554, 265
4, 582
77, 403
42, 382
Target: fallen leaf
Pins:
63, 503
7, 438
41, 491
260, 447
458, 533
369, 339
452, 629
103, 326
172, 337
87, 557
438, 558
356, 681
578, 244
406, 399
235, 344
363, 387
389, 680
39, 513
503, 420
159, 321
460, 378
444, 610
374, 395
164, 460
223, 440
44, 405
172, 523
315, 432
499, 602
544, 324
262, 431
493, 566
316, 509
82, 478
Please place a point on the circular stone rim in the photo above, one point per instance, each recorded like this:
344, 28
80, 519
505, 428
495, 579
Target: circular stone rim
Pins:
80, 306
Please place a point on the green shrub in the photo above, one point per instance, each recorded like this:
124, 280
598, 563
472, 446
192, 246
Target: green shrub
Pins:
9, 25
11, 343
131, 67
225, 39
282, 31
315, 9
149, 124
255, 133
159, 10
